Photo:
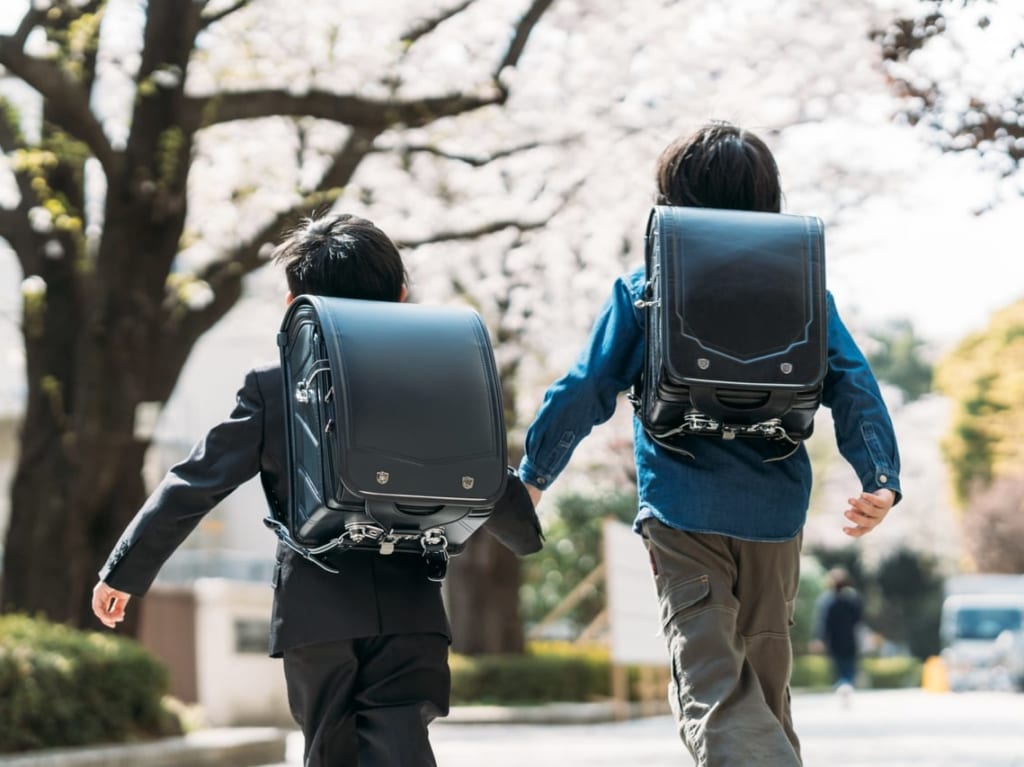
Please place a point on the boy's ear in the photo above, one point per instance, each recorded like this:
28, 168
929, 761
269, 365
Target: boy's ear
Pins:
288, 298
404, 294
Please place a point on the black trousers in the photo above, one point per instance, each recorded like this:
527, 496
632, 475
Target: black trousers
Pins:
367, 702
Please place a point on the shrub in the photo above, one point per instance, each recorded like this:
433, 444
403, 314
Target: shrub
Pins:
530, 678
561, 671
63, 687
888, 673
548, 672
815, 672
811, 671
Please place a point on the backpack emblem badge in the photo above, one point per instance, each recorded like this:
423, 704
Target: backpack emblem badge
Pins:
383, 477
467, 483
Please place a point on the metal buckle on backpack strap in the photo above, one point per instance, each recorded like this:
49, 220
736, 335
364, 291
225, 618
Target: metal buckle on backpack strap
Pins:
435, 552
433, 542
697, 423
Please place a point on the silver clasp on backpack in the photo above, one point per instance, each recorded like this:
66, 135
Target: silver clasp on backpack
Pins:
303, 390
648, 297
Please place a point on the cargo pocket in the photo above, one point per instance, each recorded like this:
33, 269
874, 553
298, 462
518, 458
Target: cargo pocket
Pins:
680, 597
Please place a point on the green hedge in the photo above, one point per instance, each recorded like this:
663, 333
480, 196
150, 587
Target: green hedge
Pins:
889, 673
552, 671
546, 673
815, 672
62, 687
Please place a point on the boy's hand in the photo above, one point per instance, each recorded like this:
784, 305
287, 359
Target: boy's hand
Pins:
108, 604
535, 494
867, 511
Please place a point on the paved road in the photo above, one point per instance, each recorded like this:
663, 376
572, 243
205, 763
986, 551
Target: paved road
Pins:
900, 728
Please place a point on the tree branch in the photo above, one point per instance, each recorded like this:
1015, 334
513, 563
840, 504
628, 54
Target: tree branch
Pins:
68, 102
213, 18
473, 233
29, 21
476, 161
225, 275
492, 227
524, 28
428, 25
358, 112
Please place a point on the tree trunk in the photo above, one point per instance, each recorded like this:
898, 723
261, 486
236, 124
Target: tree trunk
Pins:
483, 599
91, 353
60, 533
78, 477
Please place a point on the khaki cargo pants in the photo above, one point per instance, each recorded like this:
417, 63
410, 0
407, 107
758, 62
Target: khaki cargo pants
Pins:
726, 609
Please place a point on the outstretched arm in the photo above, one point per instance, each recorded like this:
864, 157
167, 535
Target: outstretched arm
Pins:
588, 393
225, 458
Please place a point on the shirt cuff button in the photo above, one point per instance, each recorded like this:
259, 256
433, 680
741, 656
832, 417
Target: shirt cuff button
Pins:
882, 478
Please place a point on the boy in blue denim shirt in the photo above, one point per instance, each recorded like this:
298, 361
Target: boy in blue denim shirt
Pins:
723, 528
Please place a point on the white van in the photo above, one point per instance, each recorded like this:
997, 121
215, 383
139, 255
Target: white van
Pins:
982, 632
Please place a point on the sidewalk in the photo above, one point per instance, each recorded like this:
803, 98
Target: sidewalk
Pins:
253, 746
226, 747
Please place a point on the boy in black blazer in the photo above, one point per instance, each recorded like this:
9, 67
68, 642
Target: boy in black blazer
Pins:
366, 650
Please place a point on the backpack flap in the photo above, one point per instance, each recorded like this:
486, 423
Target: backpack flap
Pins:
420, 422
396, 434
737, 320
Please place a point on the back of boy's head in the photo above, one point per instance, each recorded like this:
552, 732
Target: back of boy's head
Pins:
719, 166
341, 256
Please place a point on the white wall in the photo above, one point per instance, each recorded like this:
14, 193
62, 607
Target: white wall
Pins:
236, 687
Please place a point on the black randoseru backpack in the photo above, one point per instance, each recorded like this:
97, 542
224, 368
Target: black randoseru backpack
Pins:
736, 337
396, 433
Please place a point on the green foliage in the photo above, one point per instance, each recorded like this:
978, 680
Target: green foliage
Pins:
897, 359
902, 597
168, 159
571, 551
892, 672
811, 672
904, 602
63, 687
814, 672
549, 672
553, 671
537, 677
811, 586
984, 376
11, 121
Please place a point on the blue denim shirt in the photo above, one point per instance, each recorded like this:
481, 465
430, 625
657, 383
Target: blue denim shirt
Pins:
727, 487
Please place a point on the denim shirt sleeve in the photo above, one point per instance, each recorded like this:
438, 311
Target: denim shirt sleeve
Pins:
587, 395
864, 430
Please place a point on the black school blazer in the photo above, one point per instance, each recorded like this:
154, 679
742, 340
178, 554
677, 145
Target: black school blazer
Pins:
373, 595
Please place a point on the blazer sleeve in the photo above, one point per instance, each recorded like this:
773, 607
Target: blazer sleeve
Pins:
226, 457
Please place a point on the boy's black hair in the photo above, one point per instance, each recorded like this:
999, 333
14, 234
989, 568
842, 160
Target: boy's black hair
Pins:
341, 256
719, 166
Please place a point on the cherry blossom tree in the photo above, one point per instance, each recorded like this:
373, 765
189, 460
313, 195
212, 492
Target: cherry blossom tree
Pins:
130, 98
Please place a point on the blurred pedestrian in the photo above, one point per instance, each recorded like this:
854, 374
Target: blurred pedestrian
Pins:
839, 613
